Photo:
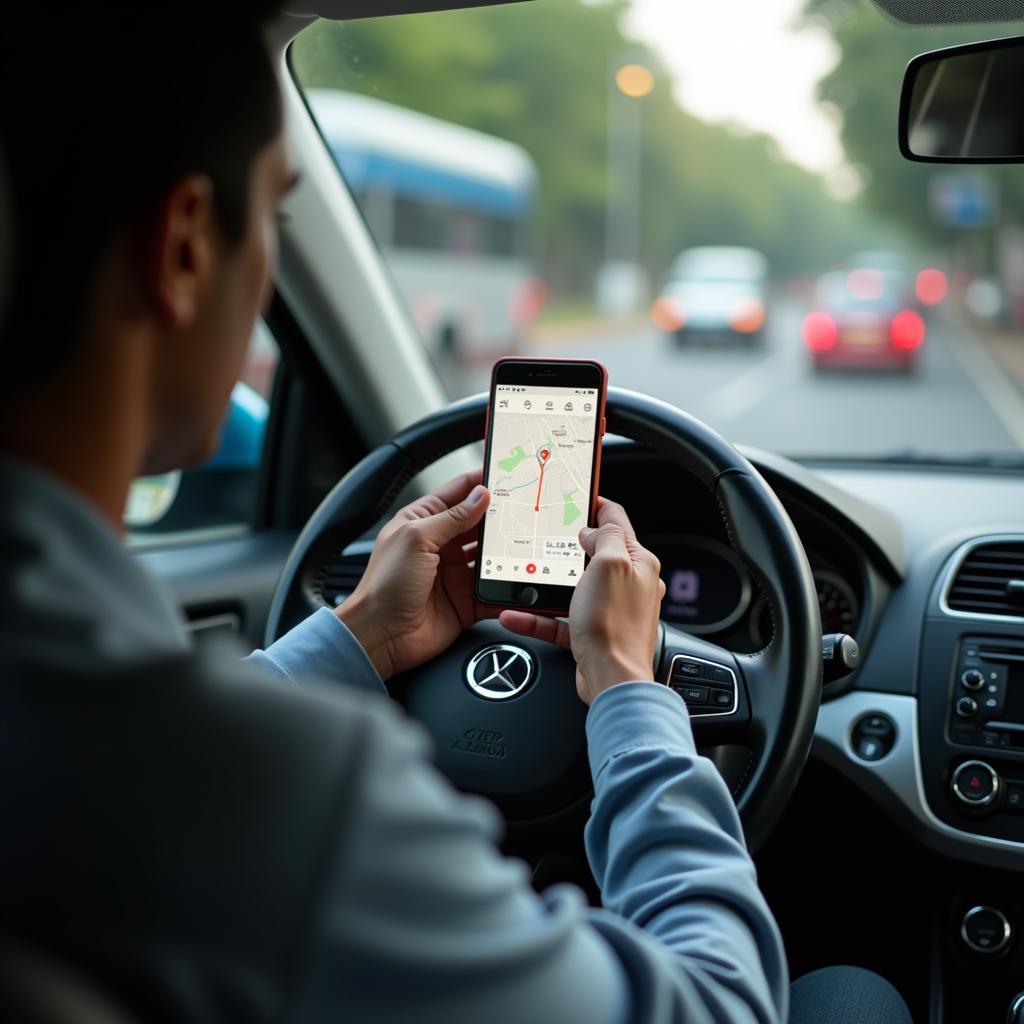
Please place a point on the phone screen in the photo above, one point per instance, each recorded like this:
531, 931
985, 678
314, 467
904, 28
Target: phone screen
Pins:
540, 478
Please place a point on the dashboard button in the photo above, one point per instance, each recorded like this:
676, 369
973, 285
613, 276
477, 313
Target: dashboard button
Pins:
875, 725
972, 679
685, 667
975, 784
693, 694
986, 930
966, 707
873, 737
1015, 796
717, 674
723, 698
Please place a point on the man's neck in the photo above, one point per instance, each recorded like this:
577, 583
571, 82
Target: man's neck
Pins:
87, 428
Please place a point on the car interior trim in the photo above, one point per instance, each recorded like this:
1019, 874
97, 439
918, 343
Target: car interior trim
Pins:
896, 779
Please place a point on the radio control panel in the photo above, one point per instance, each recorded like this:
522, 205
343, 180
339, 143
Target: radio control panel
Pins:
985, 710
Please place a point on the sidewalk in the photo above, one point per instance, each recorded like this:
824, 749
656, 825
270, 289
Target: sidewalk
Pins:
1008, 351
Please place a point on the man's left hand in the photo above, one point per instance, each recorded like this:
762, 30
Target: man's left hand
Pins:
417, 594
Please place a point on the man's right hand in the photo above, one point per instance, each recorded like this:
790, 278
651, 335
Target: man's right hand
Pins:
613, 618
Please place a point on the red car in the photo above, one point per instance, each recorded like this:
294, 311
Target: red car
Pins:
864, 318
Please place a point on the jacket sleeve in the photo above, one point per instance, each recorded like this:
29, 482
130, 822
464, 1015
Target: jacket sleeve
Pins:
320, 647
421, 919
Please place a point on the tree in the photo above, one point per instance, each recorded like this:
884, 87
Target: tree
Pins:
537, 74
865, 87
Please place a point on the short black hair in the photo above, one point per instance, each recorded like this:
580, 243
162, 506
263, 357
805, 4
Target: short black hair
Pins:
105, 107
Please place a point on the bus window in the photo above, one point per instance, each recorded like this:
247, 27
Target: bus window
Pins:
450, 209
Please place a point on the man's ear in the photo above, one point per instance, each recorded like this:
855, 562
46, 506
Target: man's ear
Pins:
183, 249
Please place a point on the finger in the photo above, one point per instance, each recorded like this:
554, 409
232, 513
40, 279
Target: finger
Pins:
553, 631
451, 523
458, 489
608, 539
613, 512
443, 498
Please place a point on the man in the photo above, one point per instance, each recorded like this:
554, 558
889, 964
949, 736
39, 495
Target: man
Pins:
213, 841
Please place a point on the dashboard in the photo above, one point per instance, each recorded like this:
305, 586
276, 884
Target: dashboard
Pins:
885, 544
709, 592
888, 547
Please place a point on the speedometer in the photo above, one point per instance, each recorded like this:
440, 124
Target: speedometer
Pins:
840, 609
706, 587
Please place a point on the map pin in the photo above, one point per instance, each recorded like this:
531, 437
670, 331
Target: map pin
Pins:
544, 454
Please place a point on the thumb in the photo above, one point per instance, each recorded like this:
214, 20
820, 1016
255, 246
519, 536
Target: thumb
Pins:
588, 540
610, 537
453, 522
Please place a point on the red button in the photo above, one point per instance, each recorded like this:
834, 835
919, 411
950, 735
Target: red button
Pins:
531, 568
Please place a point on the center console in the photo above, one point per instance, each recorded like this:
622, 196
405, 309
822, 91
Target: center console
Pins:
971, 697
971, 748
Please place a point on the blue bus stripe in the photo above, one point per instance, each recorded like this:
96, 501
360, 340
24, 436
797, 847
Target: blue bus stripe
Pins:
367, 172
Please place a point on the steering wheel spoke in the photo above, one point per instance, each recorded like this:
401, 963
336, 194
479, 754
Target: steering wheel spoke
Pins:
709, 680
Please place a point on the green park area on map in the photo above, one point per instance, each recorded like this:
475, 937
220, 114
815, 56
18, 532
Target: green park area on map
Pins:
572, 510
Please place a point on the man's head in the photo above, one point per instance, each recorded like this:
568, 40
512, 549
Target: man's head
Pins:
146, 165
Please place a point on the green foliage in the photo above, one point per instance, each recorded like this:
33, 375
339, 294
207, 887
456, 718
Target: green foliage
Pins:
537, 74
865, 87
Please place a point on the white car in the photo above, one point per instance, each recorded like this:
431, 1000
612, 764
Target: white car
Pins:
714, 293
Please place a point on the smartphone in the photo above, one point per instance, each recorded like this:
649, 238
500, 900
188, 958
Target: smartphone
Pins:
545, 421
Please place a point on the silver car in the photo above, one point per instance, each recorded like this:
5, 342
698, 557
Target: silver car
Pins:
713, 294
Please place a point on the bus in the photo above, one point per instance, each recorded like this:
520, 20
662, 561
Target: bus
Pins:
450, 209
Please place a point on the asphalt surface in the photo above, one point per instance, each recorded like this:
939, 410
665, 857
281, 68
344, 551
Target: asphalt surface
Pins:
957, 402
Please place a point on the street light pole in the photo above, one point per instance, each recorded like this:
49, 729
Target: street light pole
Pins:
628, 82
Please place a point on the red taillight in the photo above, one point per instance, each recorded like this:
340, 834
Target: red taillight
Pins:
820, 331
668, 314
906, 330
931, 286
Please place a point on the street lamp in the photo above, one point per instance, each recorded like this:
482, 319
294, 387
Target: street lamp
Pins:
620, 280
634, 80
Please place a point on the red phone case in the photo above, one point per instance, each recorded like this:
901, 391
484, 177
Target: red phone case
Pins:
592, 512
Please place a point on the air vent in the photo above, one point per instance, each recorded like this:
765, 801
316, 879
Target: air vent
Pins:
342, 574
990, 580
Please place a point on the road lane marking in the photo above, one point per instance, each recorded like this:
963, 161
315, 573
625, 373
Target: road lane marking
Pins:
995, 390
760, 381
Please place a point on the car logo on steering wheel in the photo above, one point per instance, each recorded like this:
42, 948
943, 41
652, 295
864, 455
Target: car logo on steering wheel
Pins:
499, 671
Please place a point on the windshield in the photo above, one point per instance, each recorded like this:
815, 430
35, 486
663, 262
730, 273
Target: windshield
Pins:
706, 198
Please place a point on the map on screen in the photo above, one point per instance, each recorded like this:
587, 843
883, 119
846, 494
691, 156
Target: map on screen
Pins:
539, 476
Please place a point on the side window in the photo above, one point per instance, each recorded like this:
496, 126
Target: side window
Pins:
222, 492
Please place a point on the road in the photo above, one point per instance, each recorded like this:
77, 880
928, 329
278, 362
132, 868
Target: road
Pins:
957, 402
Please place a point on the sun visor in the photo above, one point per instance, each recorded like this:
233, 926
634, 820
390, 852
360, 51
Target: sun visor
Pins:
347, 10
946, 12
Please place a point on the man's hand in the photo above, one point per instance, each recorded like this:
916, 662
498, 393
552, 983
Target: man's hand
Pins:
417, 593
613, 618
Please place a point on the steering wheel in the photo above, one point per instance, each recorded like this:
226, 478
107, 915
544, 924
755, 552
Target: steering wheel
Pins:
503, 710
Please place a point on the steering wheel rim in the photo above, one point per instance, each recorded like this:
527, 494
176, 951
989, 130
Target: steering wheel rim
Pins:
779, 687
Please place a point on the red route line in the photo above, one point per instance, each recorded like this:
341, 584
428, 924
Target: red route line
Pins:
540, 484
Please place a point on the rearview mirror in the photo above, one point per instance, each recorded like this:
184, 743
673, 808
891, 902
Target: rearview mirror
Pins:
964, 104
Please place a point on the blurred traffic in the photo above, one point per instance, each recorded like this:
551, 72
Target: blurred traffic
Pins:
874, 309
